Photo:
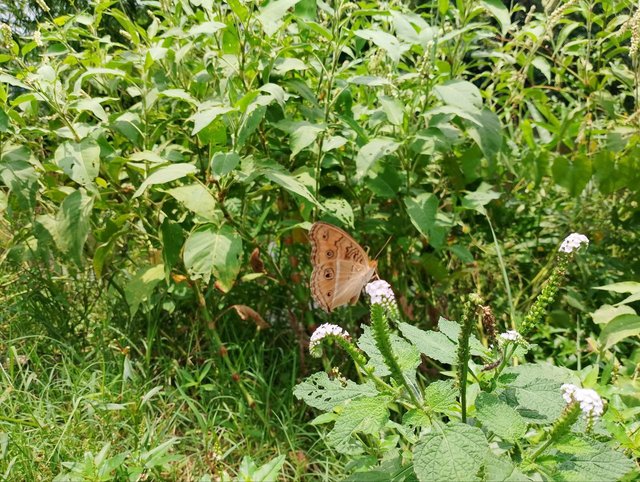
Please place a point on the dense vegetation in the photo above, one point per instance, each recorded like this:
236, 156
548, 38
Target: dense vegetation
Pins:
161, 163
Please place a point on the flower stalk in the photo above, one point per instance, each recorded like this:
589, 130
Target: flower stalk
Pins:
463, 351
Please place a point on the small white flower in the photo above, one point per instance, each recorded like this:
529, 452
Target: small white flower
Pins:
590, 402
511, 335
37, 38
380, 292
573, 242
321, 332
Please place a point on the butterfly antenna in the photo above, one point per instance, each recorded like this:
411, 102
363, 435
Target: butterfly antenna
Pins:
384, 246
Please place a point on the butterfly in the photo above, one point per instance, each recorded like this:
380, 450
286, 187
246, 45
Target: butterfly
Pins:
341, 268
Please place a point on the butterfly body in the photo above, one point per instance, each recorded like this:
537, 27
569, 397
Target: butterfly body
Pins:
341, 268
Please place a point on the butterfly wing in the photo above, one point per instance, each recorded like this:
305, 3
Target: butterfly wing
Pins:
341, 267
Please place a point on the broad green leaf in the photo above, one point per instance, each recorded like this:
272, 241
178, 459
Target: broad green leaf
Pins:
487, 133
502, 469
209, 250
72, 224
606, 313
172, 238
270, 470
455, 451
80, 161
461, 94
406, 354
623, 287
370, 80
573, 173
178, 94
19, 175
341, 209
621, 327
141, 286
543, 66
323, 393
499, 417
92, 72
588, 460
440, 396
290, 183
270, 17
422, 210
284, 65
393, 109
452, 330
196, 198
222, 163
207, 28
206, 115
371, 152
500, 12
387, 42
333, 142
164, 175
478, 199
433, 344
303, 136
539, 401
252, 119
363, 415
91, 105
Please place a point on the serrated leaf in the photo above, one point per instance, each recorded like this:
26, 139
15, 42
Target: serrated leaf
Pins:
454, 451
440, 396
141, 286
538, 400
79, 160
430, 343
452, 330
323, 393
197, 199
621, 327
209, 250
591, 461
165, 174
501, 469
373, 151
407, 355
73, 224
499, 417
363, 415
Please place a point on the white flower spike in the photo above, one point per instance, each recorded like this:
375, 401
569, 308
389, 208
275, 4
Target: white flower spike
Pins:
380, 292
511, 335
321, 332
590, 402
573, 242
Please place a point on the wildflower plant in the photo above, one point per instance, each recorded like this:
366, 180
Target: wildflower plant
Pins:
487, 418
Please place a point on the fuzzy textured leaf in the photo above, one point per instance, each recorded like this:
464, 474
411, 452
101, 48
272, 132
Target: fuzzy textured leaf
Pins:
323, 393
363, 415
499, 417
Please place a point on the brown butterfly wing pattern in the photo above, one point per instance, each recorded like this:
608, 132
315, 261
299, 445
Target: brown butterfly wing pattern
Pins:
341, 267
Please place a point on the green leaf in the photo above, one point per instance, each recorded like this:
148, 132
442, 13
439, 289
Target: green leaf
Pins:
387, 42
407, 355
207, 28
501, 469
573, 173
621, 327
480, 198
141, 286
606, 313
209, 250
461, 94
270, 470
363, 415
178, 94
222, 163
303, 136
165, 174
393, 109
440, 396
196, 198
341, 209
430, 343
270, 17
323, 393
590, 461
539, 400
450, 452
623, 287
172, 238
252, 119
290, 183
371, 152
80, 161
206, 115
73, 223
500, 12
422, 210
486, 131
499, 417
543, 66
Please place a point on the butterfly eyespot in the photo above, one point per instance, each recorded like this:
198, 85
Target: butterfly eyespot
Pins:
330, 253
328, 273
329, 293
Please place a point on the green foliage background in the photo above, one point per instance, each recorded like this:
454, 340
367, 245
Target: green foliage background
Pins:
160, 167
